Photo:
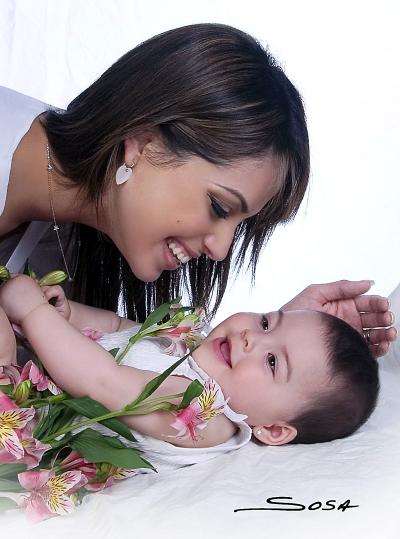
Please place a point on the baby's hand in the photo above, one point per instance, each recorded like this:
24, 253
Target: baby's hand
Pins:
8, 346
60, 302
19, 296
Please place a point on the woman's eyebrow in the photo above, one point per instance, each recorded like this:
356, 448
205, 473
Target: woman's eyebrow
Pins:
243, 204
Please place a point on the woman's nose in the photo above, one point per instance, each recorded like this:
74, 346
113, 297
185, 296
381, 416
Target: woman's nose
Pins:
219, 241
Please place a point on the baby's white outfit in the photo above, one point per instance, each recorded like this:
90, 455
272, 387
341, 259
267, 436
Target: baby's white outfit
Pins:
147, 354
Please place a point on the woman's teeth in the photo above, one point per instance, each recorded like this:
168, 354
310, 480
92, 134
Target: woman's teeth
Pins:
178, 253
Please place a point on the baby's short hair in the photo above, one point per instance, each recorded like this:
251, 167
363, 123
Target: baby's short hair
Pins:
348, 401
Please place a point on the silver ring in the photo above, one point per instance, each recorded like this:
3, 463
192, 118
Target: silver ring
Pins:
367, 335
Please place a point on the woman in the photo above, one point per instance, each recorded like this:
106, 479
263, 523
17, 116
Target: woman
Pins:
190, 145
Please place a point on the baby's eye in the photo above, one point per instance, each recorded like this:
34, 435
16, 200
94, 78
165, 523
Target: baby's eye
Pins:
264, 322
271, 360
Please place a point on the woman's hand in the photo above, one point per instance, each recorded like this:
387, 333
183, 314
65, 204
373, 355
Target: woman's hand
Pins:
19, 296
56, 296
344, 299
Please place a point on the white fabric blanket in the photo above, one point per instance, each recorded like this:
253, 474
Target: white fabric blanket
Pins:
199, 501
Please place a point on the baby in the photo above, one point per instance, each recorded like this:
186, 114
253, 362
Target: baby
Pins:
291, 377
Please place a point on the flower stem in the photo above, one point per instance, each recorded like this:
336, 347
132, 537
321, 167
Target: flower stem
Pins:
140, 335
39, 403
141, 409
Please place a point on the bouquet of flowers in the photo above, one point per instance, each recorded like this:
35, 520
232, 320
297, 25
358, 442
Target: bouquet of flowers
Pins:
50, 457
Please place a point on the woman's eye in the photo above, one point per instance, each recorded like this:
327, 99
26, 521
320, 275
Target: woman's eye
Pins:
218, 210
271, 360
264, 322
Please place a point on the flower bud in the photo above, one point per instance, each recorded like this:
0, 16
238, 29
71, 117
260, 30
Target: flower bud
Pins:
22, 391
52, 278
4, 273
103, 470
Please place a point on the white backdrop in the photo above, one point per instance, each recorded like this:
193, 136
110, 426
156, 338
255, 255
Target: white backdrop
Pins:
342, 55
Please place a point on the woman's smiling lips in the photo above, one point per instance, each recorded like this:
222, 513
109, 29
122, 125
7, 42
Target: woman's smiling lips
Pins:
171, 262
222, 348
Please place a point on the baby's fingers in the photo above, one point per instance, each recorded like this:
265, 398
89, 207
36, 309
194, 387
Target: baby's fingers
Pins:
54, 292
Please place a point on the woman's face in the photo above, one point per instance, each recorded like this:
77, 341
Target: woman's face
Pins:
165, 215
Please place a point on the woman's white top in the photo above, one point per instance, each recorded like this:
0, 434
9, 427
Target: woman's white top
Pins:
17, 112
147, 354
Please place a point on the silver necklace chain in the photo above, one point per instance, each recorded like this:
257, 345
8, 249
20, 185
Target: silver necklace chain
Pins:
56, 228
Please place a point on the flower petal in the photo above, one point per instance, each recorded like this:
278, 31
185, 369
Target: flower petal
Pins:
65, 482
34, 480
93, 334
14, 374
34, 450
100, 485
36, 509
5, 402
16, 418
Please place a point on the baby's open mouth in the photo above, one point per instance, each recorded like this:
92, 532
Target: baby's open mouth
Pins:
225, 349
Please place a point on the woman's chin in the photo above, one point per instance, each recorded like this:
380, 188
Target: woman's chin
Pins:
146, 274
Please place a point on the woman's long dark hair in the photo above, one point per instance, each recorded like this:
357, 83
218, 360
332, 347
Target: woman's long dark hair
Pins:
211, 91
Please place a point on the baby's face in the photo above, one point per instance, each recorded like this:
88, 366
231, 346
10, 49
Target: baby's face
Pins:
270, 365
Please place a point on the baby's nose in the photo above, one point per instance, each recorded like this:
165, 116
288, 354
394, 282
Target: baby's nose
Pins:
248, 339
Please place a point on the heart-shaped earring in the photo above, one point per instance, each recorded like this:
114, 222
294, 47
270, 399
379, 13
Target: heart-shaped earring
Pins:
124, 172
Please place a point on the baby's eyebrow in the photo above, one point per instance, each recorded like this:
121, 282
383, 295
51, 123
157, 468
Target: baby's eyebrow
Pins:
286, 356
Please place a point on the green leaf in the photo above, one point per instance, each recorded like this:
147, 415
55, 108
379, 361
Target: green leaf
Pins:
193, 390
57, 414
11, 470
7, 389
157, 315
114, 352
90, 408
95, 447
7, 503
151, 386
10, 486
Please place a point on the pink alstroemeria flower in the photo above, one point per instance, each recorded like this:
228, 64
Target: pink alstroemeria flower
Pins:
49, 493
185, 335
115, 474
24, 448
12, 420
91, 471
93, 334
31, 372
207, 405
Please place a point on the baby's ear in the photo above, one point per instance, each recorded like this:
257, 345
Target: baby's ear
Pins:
275, 434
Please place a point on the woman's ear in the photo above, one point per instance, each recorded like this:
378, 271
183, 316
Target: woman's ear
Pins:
135, 145
275, 434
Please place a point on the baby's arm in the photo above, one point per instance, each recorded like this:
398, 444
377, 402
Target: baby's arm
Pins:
81, 367
7, 341
83, 316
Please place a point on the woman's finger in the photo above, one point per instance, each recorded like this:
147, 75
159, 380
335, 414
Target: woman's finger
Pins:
379, 336
372, 304
377, 320
379, 350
